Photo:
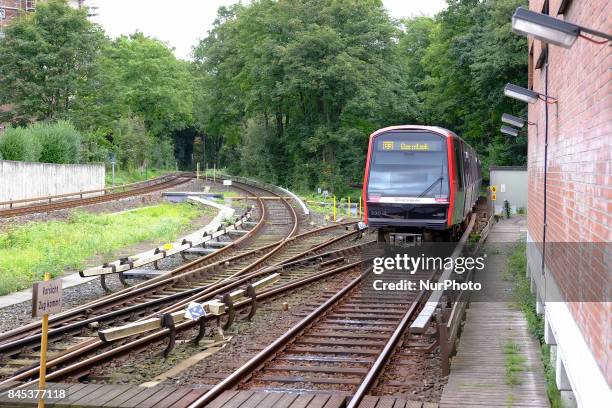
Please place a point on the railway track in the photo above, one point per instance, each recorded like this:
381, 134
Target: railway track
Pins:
89, 352
189, 276
334, 347
278, 247
45, 204
355, 343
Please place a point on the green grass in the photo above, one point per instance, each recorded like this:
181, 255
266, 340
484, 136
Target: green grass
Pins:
28, 251
515, 363
133, 176
525, 300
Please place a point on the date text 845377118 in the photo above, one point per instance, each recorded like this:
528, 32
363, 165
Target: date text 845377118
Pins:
36, 394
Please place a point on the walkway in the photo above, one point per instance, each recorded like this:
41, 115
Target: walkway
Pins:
498, 363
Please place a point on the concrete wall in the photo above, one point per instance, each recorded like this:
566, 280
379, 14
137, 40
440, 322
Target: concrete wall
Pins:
511, 184
26, 180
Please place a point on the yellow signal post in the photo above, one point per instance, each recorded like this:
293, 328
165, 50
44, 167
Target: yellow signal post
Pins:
348, 207
334, 209
43, 354
360, 207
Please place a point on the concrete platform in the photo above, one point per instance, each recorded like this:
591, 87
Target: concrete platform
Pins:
496, 331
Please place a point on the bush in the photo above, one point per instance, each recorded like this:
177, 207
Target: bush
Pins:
18, 144
60, 142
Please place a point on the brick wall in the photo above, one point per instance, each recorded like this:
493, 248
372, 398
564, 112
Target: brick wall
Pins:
579, 204
10, 7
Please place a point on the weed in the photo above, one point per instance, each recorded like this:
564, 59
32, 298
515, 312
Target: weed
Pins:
516, 270
515, 363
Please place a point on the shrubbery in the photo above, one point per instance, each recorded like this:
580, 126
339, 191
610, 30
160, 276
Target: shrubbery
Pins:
42, 142
19, 144
60, 142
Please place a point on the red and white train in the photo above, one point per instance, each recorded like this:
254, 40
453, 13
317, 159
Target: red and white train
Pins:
419, 179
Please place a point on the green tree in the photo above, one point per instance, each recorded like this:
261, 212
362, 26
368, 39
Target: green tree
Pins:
45, 58
300, 84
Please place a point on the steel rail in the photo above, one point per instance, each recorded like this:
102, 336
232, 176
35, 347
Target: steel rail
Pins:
196, 293
129, 293
95, 344
385, 354
60, 205
264, 355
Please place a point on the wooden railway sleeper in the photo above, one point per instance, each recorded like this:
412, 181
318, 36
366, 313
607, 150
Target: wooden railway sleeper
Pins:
167, 322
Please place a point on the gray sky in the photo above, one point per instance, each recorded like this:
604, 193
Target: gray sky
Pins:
181, 22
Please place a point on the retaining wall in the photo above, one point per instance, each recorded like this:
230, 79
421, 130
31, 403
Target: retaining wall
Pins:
28, 180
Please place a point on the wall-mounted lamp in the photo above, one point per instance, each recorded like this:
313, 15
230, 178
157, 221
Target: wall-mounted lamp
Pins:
525, 95
551, 30
520, 93
510, 131
513, 120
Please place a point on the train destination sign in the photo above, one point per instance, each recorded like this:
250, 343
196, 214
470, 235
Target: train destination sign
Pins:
46, 297
408, 146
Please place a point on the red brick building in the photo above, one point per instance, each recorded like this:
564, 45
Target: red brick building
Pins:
579, 200
9, 9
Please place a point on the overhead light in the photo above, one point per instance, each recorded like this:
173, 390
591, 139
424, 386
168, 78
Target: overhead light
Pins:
520, 93
509, 130
513, 120
549, 29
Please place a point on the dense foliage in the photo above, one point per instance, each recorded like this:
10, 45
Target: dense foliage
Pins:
285, 90
41, 142
129, 92
294, 87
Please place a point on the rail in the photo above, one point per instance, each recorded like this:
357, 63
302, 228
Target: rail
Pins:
261, 357
50, 198
279, 190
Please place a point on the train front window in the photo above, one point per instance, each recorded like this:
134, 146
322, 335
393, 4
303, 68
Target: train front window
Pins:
408, 164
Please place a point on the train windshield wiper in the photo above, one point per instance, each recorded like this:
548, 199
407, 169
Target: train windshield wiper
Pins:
432, 186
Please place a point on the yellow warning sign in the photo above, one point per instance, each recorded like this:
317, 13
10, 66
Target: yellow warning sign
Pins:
493, 189
493, 196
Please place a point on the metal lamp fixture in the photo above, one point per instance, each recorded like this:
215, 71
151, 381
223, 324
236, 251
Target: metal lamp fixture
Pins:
509, 130
513, 120
520, 93
549, 29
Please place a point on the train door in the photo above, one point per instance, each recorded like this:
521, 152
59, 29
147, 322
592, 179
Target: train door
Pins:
460, 196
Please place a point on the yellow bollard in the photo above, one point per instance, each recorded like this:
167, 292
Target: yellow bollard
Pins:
348, 207
360, 215
334, 208
42, 374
